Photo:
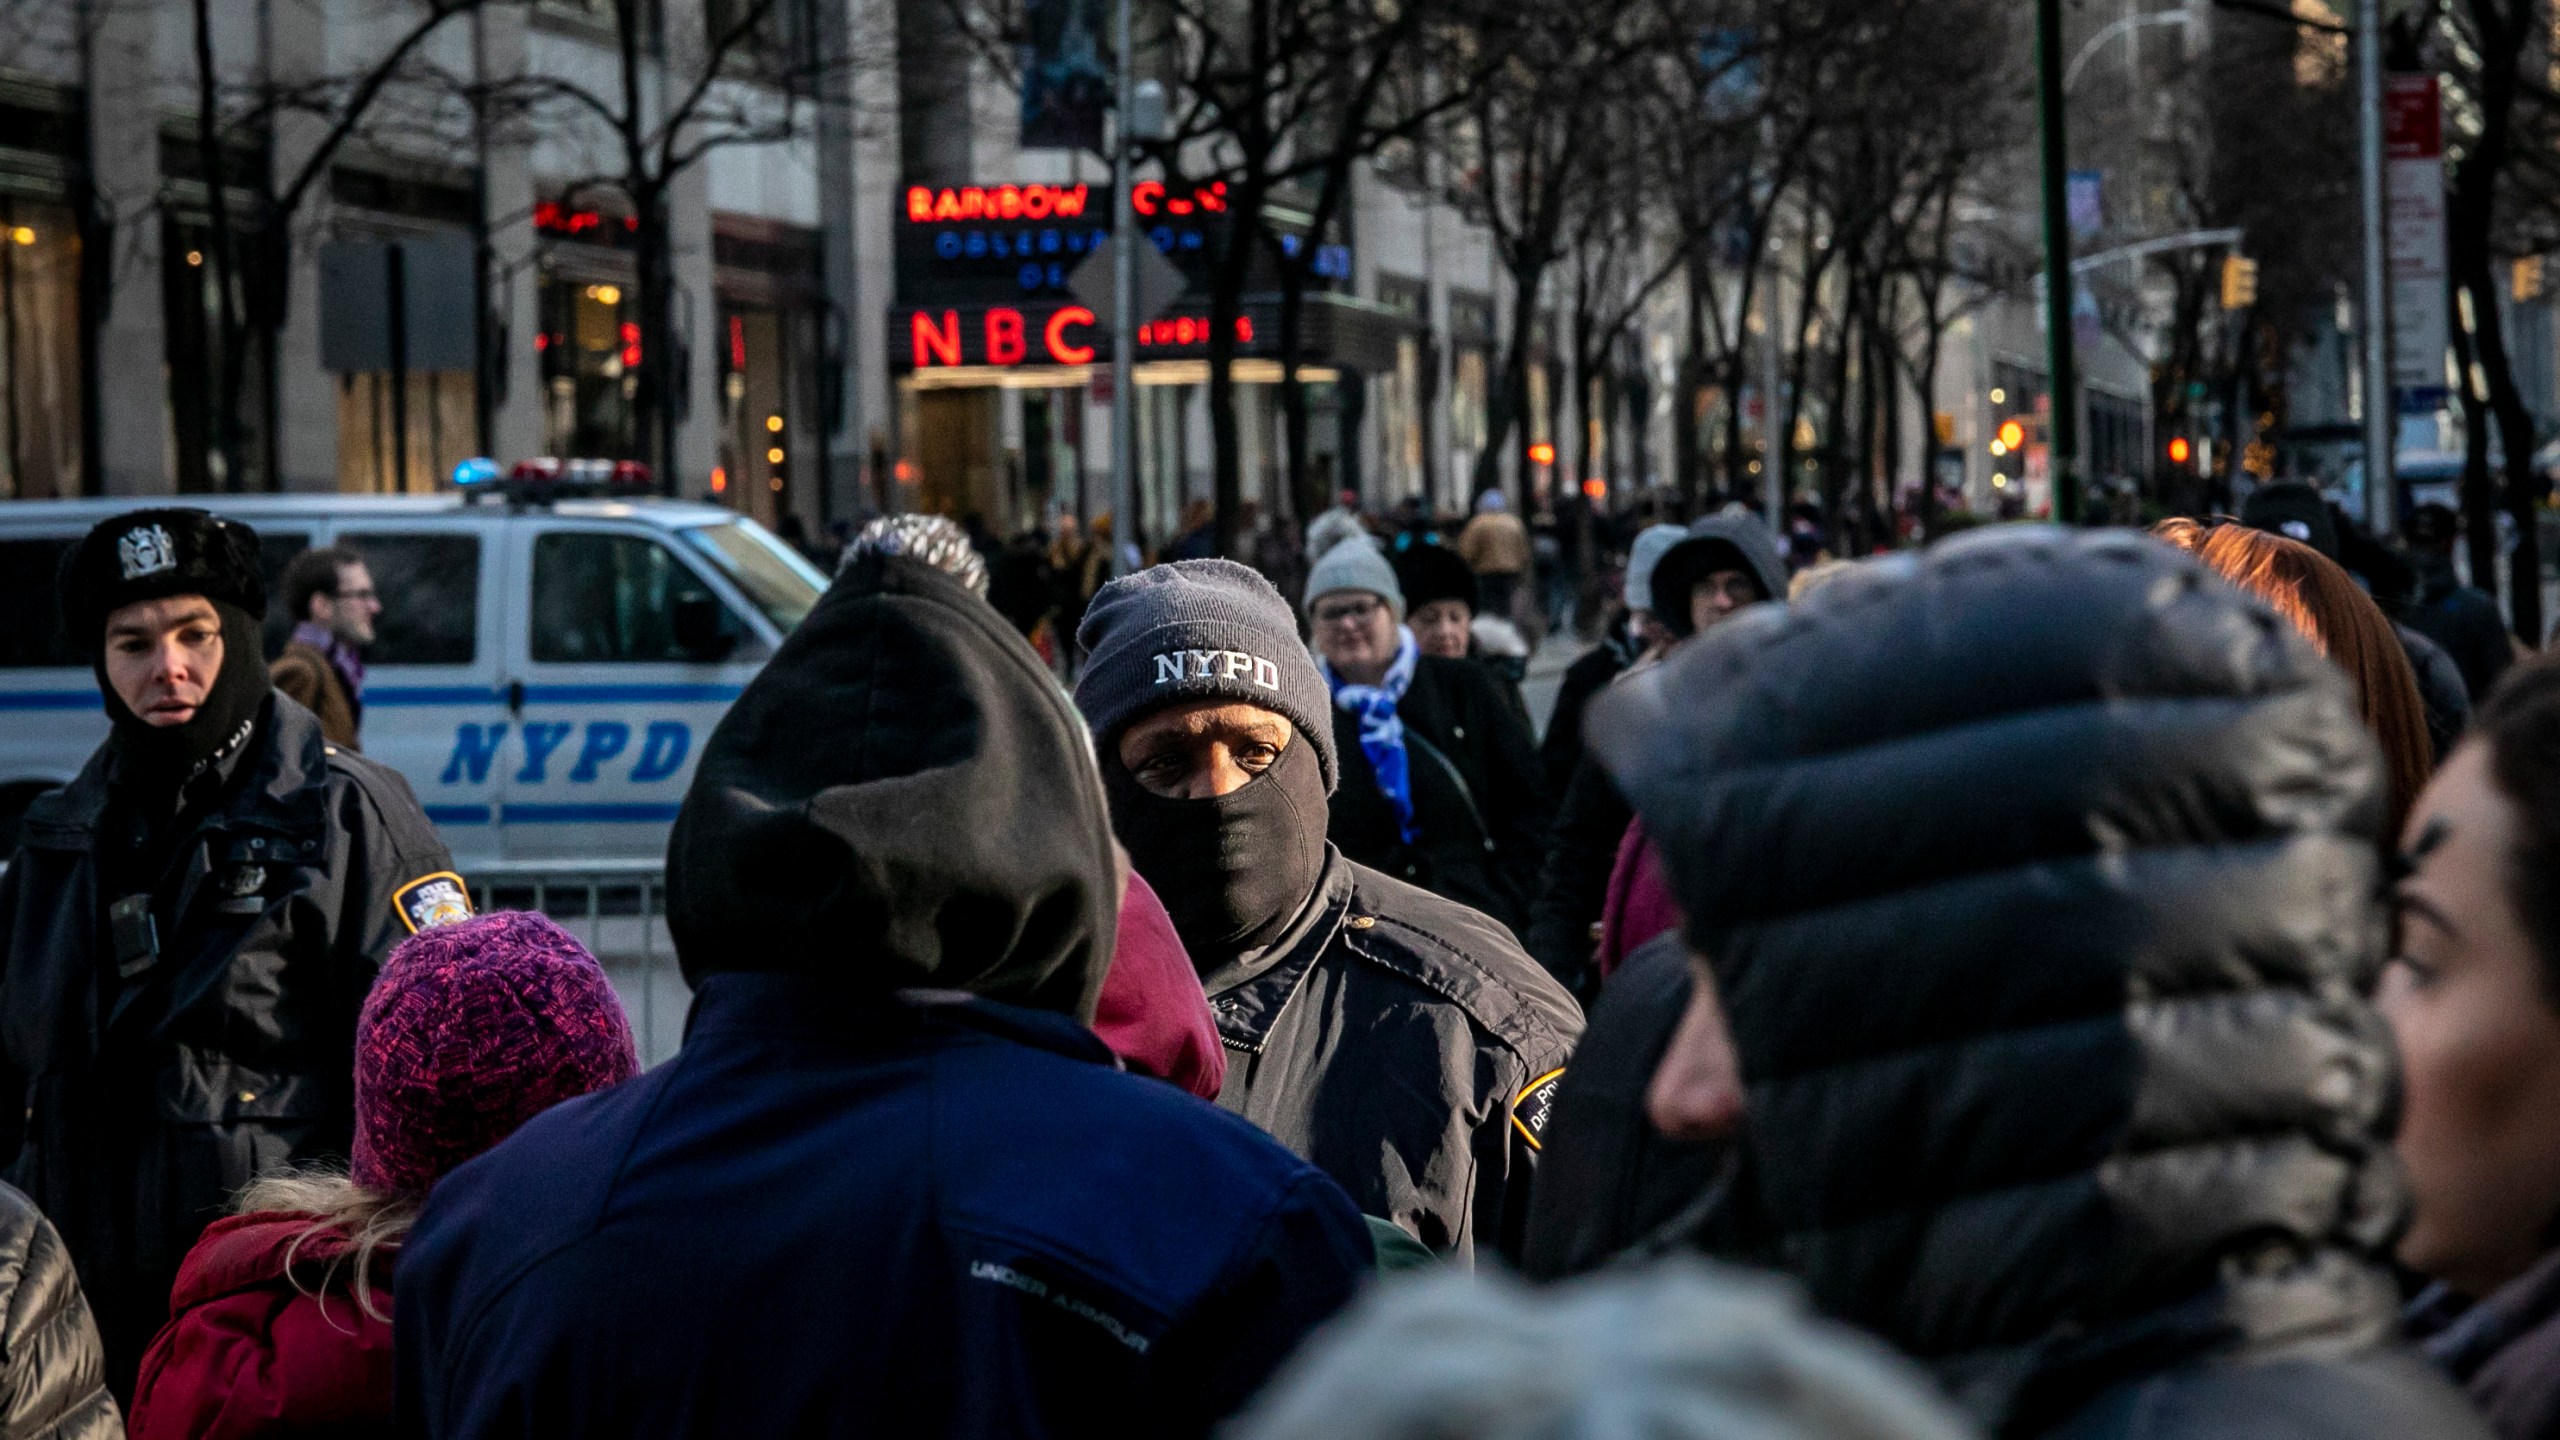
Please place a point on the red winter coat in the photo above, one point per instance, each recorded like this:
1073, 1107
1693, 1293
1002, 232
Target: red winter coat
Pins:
1639, 904
246, 1352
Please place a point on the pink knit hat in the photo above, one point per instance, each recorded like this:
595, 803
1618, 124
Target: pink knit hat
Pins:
473, 1029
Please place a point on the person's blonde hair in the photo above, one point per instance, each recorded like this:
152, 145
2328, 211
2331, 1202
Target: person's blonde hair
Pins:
371, 1223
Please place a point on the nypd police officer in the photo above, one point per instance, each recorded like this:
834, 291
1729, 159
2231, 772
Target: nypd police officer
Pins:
1400, 1041
192, 922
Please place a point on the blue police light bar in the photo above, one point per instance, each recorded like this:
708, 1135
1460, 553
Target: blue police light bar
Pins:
478, 470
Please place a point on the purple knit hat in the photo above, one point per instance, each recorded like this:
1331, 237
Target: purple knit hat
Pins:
473, 1029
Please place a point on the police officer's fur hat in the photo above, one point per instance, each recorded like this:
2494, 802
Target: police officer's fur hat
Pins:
152, 554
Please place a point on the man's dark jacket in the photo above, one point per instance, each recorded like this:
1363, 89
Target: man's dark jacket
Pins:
2465, 621
154, 1089
1479, 797
2038, 875
1560, 750
832, 1215
852, 1205
1405, 1045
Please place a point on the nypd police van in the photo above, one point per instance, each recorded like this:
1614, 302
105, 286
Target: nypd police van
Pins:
545, 672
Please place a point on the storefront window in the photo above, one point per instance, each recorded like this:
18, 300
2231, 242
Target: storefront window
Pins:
442, 431
210, 372
40, 368
590, 352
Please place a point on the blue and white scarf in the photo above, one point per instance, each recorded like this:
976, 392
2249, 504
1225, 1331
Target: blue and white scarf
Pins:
1381, 732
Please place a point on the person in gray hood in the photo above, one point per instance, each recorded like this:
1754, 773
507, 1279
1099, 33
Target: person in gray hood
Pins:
1728, 560
1400, 1041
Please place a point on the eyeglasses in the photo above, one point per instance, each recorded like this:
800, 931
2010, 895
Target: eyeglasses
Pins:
1347, 612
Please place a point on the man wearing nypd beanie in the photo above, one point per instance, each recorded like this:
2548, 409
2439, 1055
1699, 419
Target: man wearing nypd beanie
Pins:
1401, 1042
190, 925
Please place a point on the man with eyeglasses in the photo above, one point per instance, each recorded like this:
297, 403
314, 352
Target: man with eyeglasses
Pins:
330, 595
1401, 1042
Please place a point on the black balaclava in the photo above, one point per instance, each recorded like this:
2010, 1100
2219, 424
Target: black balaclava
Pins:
1232, 871
173, 754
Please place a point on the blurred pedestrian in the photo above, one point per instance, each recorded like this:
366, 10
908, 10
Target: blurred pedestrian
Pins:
1440, 779
1631, 633
1717, 568
280, 1323
2464, 619
1677, 1351
1399, 1040
192, 922
1077, 568
1196, 536
1495, 546
2474, 1001
892, 1184
2053, 1077
329, 593
1336, 525
2321, 601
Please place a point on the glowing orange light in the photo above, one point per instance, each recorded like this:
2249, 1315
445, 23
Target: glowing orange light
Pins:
905, 470
1542, 453
2012, 434
2179, 450
1595, 488
719, 479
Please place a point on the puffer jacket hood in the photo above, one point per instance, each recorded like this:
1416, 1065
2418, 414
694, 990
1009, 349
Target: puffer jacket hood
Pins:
1716, 542
2038, 874
902, 798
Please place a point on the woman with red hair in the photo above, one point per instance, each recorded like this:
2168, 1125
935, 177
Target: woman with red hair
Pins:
2322, 601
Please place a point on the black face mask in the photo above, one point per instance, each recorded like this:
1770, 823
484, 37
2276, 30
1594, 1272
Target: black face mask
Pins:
1232, 871
171, 754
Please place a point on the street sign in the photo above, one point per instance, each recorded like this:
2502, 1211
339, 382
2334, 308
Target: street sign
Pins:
2413, 138
1159, 283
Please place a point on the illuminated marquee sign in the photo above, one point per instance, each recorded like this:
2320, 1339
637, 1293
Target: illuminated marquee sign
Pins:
996, 244
926, 204
930, 338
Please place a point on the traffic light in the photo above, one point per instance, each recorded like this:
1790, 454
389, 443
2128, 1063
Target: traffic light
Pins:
2179, 450
2239, 282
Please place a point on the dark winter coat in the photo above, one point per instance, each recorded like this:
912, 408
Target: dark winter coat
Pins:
267, 1337
1405, 1045
1479, 799
836, 1214
2465, 621
53, 1374
1609, 1181
2038, 875
852, 1207
2503, 1351
145, 1090
1560, 751
2442, 692
1573, 885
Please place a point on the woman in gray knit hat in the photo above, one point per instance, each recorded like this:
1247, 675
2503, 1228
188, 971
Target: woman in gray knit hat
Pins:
1441, 781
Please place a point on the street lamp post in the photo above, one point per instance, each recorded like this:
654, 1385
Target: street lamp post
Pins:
2380, 405
2064, 388
1124, 307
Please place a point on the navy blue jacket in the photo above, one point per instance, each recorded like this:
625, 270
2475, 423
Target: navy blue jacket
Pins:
837, 1215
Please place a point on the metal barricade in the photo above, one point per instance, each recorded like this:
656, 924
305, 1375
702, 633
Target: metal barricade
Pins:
618, 908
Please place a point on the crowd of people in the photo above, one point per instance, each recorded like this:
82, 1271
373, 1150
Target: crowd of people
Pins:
2073, 983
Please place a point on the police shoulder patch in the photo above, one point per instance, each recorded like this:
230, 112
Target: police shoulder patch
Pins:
437, 899
1534, 1105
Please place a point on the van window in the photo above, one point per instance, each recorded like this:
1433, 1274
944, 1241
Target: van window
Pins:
780, 583
600, 597
429, 584
33, 636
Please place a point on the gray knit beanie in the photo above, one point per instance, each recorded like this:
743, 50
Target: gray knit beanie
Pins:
1355, 564
1201, 630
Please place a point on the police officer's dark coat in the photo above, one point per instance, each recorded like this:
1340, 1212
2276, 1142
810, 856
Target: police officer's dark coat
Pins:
1407, 1046
140, 1089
